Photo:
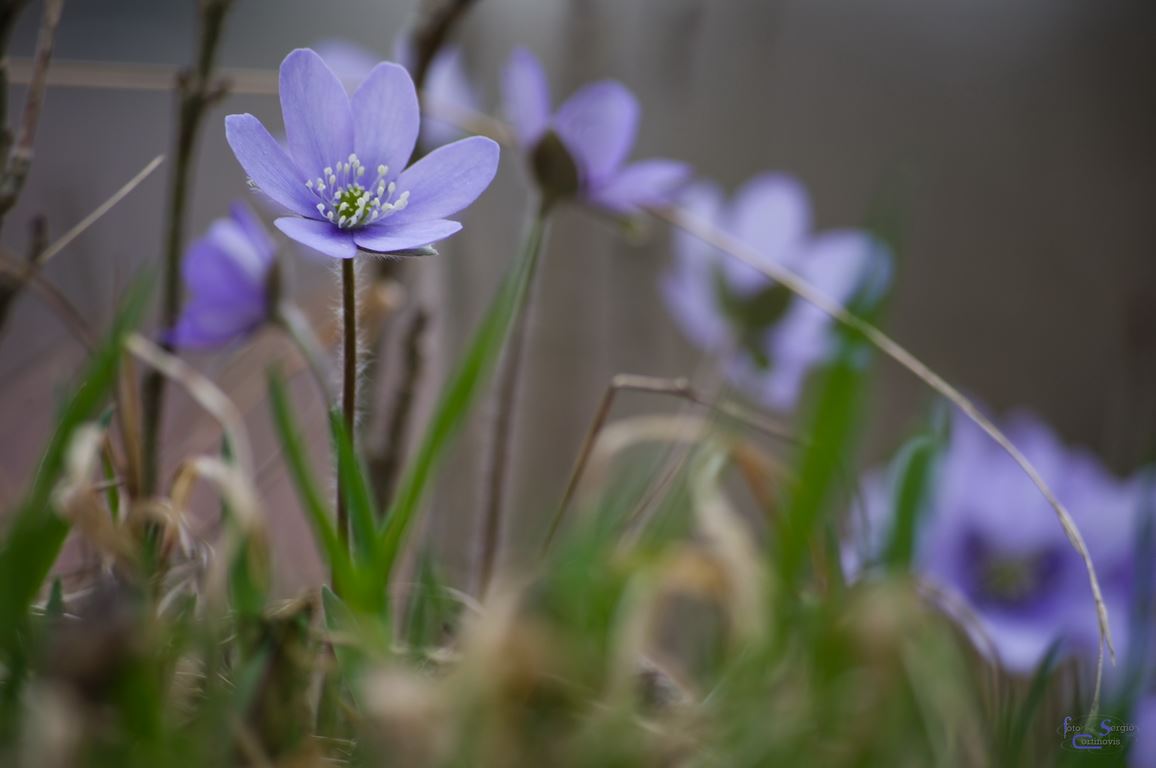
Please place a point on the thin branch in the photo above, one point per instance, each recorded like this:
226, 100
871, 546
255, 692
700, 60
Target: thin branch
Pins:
19, 158
436, 20
197, 91
13, 279
81, 226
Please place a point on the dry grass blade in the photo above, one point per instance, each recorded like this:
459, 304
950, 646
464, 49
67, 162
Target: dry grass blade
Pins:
679, 388
207, 394
732, 541
237, 490
733, 247
100, 211
79, 498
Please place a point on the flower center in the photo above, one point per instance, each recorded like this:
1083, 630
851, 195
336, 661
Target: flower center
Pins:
349, 201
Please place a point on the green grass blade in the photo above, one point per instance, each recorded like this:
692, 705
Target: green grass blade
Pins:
832, 429
36, 533
358, 496
320, 519
460, 393
912, 475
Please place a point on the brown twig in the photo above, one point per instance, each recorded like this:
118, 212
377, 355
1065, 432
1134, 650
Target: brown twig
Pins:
385, 464
436, 20
19, 157
198, 91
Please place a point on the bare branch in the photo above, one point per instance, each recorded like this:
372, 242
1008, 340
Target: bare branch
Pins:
198, 91
19, 158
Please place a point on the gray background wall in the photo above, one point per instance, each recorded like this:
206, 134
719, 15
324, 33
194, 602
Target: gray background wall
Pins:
1025, 130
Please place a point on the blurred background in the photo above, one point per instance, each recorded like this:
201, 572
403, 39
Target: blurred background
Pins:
1021, 135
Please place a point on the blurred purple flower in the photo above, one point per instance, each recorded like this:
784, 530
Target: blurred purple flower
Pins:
227, 274
1143, 751
990, 538
342, 174
597, 126
770, 340
446, 83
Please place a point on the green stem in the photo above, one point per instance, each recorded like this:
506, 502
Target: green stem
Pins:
509, 377
348, 378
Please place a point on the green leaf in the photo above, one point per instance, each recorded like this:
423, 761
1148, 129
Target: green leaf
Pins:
912, 476
1015, 728
55, 607
460, 393
831, 435
431, 607
320, 518
36, 533
358, 496
357, 638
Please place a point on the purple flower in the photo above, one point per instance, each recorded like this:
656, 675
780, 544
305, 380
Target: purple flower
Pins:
446, 83
1143, 750
991, 539
342, 174
597, 126
769, 340
227, 274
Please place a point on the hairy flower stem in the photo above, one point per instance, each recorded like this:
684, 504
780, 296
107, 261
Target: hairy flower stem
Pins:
197, 92
509, 376
348, 378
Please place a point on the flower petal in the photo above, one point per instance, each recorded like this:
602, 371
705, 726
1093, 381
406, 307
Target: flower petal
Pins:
273, 171
224, 263
386, 118
836, 262
526, 96
447, 85
254, 230
646, 183
315, 107
384, 238
349, 61
447, 180
203, 325
772, 214
321, 236
598, 125
689, 285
